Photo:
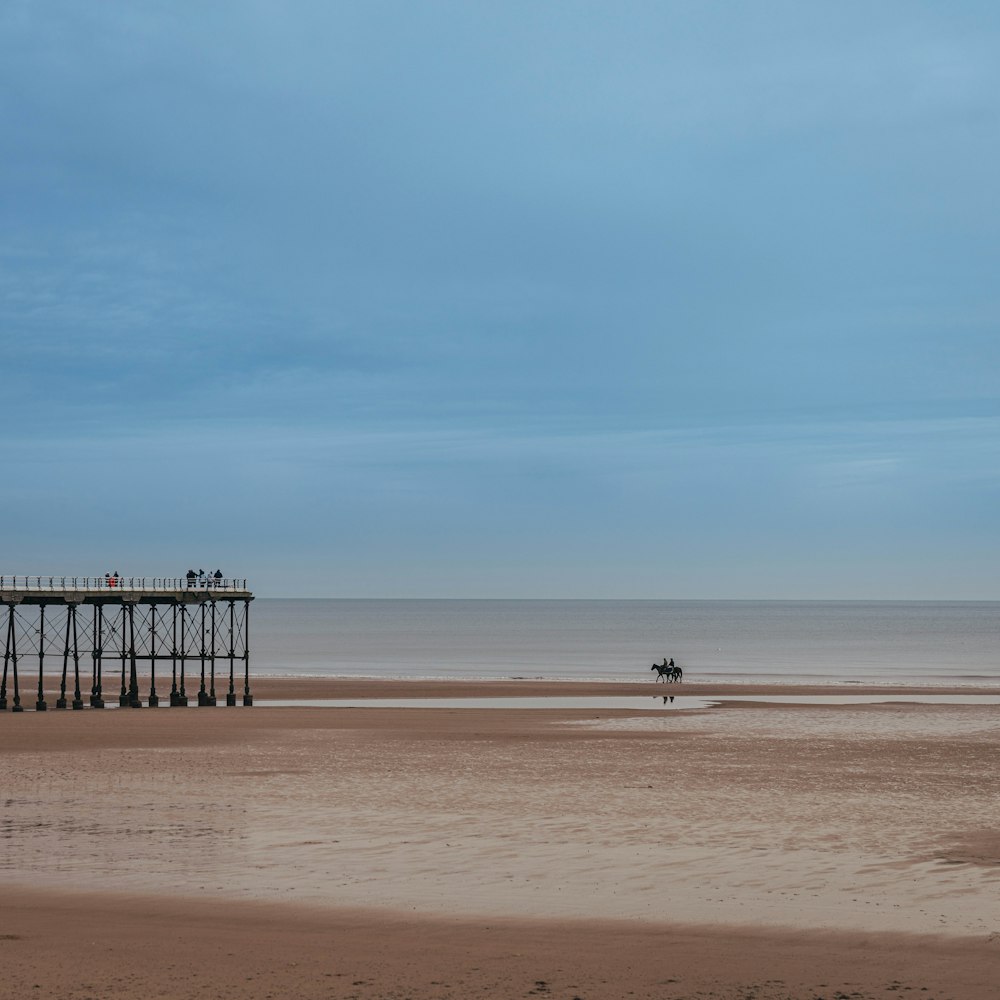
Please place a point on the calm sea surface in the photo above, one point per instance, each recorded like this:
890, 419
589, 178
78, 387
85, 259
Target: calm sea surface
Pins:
809, 641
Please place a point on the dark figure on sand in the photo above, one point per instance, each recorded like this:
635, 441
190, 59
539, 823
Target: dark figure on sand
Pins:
668, 672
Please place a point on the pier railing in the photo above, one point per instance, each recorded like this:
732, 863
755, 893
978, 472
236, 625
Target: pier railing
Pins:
117, 584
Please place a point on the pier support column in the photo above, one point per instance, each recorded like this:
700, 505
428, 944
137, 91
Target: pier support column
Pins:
77, 699
134, 701
247, 696
40, 705
173, 655
154, 701
96, 694
231, 694
182, 699
202, 691
123, 693
6, 659
211, 653
61, 700
12, 638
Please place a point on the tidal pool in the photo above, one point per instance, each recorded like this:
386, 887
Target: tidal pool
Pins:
647, 703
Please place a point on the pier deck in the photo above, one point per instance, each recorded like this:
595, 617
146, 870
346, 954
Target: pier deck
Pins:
99, 589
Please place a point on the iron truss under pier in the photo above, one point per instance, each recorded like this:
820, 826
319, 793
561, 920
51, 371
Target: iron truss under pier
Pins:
99, 629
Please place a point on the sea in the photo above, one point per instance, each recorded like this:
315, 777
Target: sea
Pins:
816, 642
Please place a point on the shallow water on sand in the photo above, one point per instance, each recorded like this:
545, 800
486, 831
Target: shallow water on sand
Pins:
638, 703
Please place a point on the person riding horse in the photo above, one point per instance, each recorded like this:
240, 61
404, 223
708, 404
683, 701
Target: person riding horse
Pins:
668, 671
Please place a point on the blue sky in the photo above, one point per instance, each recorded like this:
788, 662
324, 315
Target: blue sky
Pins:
500, 300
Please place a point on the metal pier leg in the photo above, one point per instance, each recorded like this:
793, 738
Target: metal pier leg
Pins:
61, 700
134, 700
123, 694
154, 701
247, 696
40, 705
93, 659
173, 656
211, 690
182, 698
202, 693
18, 707
96, 694
231, 695
77, 699
6, 661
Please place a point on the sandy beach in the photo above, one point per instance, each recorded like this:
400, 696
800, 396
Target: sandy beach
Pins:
752, 849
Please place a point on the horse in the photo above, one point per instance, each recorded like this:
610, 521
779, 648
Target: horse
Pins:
667, 673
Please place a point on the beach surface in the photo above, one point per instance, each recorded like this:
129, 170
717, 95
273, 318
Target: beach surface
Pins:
752, 849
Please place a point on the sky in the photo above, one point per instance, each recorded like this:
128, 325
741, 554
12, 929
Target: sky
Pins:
522, 299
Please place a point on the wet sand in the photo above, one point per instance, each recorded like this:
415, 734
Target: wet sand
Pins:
761, 849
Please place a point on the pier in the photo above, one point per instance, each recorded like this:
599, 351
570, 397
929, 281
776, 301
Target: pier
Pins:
100, 629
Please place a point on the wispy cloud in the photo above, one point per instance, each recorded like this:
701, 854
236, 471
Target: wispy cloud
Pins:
666, 284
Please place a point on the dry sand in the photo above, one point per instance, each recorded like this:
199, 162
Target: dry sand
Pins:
751, 850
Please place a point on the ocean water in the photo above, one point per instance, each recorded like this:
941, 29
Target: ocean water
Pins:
739, 641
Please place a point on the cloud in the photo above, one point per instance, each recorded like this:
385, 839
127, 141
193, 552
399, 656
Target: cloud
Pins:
680, 283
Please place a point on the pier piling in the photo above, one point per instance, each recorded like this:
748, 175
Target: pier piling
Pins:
39, 617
